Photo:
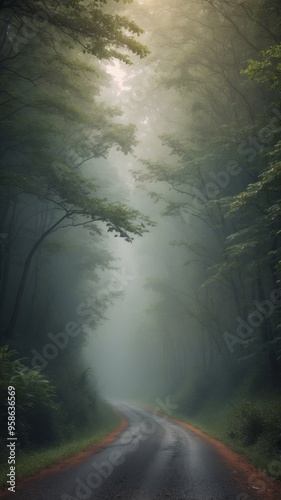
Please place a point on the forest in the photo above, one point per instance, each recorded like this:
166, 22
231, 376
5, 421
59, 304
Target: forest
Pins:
140, 216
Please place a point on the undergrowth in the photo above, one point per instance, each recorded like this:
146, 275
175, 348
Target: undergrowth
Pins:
29, 461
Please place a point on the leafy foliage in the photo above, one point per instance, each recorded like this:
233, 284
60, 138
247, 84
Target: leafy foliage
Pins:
218, 176
55, 133
36, 402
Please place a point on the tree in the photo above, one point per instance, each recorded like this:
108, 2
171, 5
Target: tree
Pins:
219, 169
55, 125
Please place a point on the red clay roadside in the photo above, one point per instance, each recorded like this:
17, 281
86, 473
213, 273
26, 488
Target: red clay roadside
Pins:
68, 463
254, 483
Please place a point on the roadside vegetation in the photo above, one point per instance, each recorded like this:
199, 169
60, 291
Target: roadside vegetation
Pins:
60, 209
244, 414
47, 428
247, 420
35, 458
210, 332
186, 131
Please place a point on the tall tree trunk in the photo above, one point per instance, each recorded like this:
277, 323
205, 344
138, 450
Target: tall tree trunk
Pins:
11, 327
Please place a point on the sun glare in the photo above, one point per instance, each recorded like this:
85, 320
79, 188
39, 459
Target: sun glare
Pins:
119, 75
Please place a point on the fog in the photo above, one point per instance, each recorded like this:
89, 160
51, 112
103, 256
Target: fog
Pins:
140, 207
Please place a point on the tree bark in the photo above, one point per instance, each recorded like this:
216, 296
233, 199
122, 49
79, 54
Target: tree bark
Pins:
11, 327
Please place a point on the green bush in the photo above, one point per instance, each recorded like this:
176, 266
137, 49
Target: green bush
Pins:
246, 423
35, 400
78, 393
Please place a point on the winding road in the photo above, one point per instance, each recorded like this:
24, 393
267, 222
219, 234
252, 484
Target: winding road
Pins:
154, 458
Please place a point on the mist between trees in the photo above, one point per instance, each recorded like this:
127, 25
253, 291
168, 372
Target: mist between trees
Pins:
140, 176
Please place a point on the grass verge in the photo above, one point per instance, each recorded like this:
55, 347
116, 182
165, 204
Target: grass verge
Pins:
30, 461
248, 424
249, 427
224, 424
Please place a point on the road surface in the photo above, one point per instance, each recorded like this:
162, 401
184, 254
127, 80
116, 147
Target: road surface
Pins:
154, 458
